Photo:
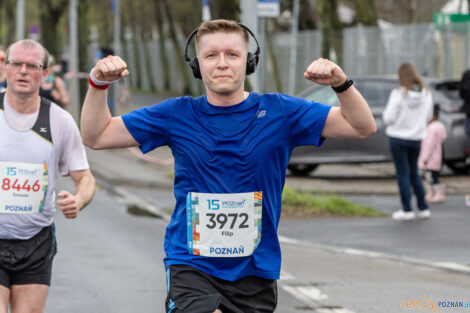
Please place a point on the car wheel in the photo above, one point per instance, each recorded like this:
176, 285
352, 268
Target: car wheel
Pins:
459, 166
302, 169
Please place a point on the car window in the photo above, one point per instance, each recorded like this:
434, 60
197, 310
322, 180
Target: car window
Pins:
323, 94
446, 95
376, 93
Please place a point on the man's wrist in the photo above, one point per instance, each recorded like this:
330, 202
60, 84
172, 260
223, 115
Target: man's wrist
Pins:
96, 83
343, 87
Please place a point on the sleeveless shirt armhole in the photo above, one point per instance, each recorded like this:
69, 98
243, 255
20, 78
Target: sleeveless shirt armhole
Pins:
2, 95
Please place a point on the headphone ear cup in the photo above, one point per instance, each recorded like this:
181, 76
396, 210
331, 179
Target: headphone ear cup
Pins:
194, 64
251, 62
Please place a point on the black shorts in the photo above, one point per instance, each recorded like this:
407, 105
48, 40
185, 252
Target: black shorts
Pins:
28, 261
193, 291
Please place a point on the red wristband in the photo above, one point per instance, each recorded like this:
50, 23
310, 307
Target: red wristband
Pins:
92, 84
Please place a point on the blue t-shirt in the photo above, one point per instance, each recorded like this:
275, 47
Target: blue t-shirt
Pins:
241, 148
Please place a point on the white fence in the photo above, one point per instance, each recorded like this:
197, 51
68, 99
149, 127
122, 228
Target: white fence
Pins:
435, 52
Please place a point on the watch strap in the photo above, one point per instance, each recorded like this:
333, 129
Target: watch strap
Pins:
344, 86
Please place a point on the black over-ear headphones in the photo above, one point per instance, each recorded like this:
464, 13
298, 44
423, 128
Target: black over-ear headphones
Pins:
251, 60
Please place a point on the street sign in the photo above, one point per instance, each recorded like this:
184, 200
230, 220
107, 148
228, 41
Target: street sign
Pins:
268, 8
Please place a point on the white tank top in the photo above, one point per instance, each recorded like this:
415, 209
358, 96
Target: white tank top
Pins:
33, 146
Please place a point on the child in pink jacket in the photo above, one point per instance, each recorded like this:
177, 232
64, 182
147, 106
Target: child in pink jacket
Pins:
430, 157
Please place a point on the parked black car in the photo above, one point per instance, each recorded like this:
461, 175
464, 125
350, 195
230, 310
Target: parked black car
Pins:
376, 90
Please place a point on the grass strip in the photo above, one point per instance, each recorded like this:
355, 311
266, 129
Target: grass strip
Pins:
305, 204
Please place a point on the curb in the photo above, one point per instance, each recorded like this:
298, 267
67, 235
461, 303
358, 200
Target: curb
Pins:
135, 205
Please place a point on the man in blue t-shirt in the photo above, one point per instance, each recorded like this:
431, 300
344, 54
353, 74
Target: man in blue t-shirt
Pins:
231, 151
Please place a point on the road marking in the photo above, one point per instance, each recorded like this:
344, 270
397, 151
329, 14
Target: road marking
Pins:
341, 310
286, 276
313, 297
283, 239
453, 266
307, 294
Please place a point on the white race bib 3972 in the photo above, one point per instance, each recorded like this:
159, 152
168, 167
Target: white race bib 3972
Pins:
23, 187
223, 225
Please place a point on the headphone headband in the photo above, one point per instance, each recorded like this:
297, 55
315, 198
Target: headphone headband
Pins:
252, 59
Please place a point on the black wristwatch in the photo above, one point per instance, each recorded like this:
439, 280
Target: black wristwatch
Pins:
344, 86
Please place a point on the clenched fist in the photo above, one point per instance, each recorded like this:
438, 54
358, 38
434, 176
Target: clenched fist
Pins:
325, 72
68, 204
110, 69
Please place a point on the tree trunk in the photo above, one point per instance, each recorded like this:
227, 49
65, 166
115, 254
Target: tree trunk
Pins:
146, 46
366, 12
331, 30
272, 57
2, 4
135, 45
227, 9
50, 13
161, 46
10, 15
413, 6
83, 36
325, 9
174, 38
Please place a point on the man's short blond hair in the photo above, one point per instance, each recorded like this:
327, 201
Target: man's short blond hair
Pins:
225, 26
31, 44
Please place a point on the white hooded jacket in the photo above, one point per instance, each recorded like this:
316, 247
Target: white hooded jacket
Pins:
407, 113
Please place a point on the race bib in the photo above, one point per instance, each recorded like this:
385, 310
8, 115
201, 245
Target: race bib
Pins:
224, 225
23, 187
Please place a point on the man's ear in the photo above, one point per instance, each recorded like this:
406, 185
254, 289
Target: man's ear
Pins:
44, 74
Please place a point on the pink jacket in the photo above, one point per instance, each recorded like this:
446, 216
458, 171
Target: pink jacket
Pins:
430, 157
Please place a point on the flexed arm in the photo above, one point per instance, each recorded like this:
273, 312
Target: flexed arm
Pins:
353, 119
99, 129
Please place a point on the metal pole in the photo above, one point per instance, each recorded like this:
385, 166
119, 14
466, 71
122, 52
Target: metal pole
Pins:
20, 20
449, 51
293, 48
460, 7
249, 18
206, 12
74, 87
117, 51
262, 59
467, 41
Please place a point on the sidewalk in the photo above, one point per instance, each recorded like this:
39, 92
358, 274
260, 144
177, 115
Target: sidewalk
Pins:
120, 167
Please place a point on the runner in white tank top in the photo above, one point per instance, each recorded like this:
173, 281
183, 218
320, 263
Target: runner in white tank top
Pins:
38, 140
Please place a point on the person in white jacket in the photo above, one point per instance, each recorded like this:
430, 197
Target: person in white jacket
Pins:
408, 110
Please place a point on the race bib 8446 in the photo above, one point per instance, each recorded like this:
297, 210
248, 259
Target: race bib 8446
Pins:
23, 187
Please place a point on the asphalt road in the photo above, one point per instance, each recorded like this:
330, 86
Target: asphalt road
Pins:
108, 261
111, 261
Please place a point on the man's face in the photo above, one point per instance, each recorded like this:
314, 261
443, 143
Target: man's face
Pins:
222, 61
23, 79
